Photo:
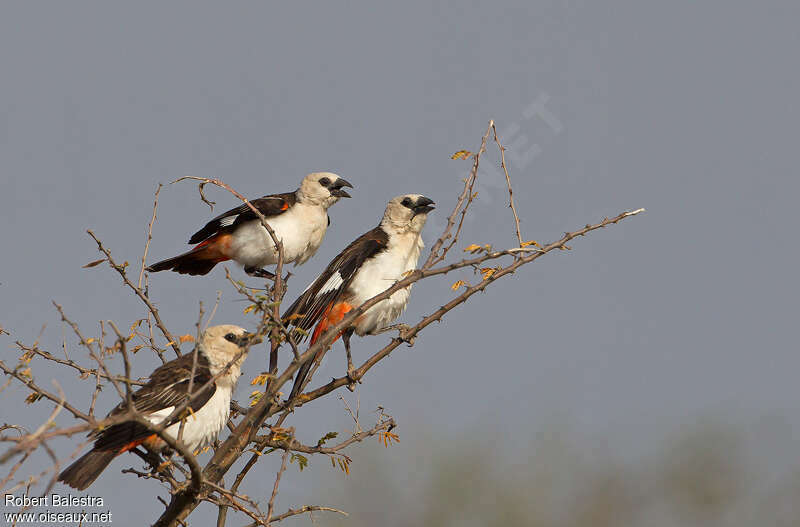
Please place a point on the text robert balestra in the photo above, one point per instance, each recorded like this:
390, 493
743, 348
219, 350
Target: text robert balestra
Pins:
52, 500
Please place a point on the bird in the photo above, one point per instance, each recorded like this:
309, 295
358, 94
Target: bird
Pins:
167, 388
299, 220
368, 266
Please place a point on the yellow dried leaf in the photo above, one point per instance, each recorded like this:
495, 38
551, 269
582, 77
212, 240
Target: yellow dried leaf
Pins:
487, 272
94, 263
186, 338
32, 398
90, 340
249, 308
471, 248
136, 325
461, 154
260, 379
531, 242
255, 396
458, 284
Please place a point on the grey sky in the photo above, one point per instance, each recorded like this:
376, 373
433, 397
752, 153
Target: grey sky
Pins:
688, 109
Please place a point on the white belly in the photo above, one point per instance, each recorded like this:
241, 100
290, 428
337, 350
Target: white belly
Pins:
301, 230
202, 428
377, 276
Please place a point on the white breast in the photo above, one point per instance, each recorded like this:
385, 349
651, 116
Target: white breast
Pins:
202, 428
378, 274
301, 229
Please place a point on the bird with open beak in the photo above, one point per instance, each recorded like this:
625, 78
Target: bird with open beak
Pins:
299, 219
365, 268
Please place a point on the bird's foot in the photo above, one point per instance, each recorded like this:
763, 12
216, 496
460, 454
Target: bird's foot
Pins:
403, 333
259, 273
353, 376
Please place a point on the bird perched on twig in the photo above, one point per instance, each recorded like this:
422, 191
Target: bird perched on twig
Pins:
167, 389
299, 220
365, 268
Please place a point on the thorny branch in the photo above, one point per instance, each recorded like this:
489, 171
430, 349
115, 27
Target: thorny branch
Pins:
205, 484
152, 308
508, 183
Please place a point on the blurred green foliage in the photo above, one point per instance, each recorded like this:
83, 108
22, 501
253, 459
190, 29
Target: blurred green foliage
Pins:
702, 478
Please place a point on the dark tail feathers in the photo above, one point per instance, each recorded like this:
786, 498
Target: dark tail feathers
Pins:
85, 470
299, 378
198, 261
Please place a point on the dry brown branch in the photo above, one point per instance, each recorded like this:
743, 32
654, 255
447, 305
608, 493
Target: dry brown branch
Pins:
293, 445
89, 345
85, 372
508, 182
149, 236
301, 510
28, 382
466, 195
152, 308
271, 504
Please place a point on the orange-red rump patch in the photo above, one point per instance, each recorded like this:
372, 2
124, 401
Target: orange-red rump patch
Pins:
215, 248
332, 316
149, 441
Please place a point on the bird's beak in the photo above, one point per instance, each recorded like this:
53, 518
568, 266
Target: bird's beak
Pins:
423, 206
248, 339
336, 188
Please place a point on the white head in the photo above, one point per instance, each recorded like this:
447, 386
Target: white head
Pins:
323, 188
221, 344
407, 213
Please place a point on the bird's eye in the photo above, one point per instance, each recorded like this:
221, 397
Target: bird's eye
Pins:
230, 337
406, 202
325, 182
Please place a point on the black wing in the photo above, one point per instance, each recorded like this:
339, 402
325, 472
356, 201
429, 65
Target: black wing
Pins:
168, 387
269, 206
334, 280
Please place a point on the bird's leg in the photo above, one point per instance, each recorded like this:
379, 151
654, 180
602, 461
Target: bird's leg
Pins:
158, 464
402, 330
259, 273
350, 369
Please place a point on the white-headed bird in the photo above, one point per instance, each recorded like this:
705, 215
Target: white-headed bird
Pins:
167, 389
365, 268
299, 220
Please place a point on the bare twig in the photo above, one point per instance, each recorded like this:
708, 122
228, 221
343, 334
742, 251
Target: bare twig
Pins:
271, 504
302, 510
149, 236
508, 182
466, 195
152, 308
